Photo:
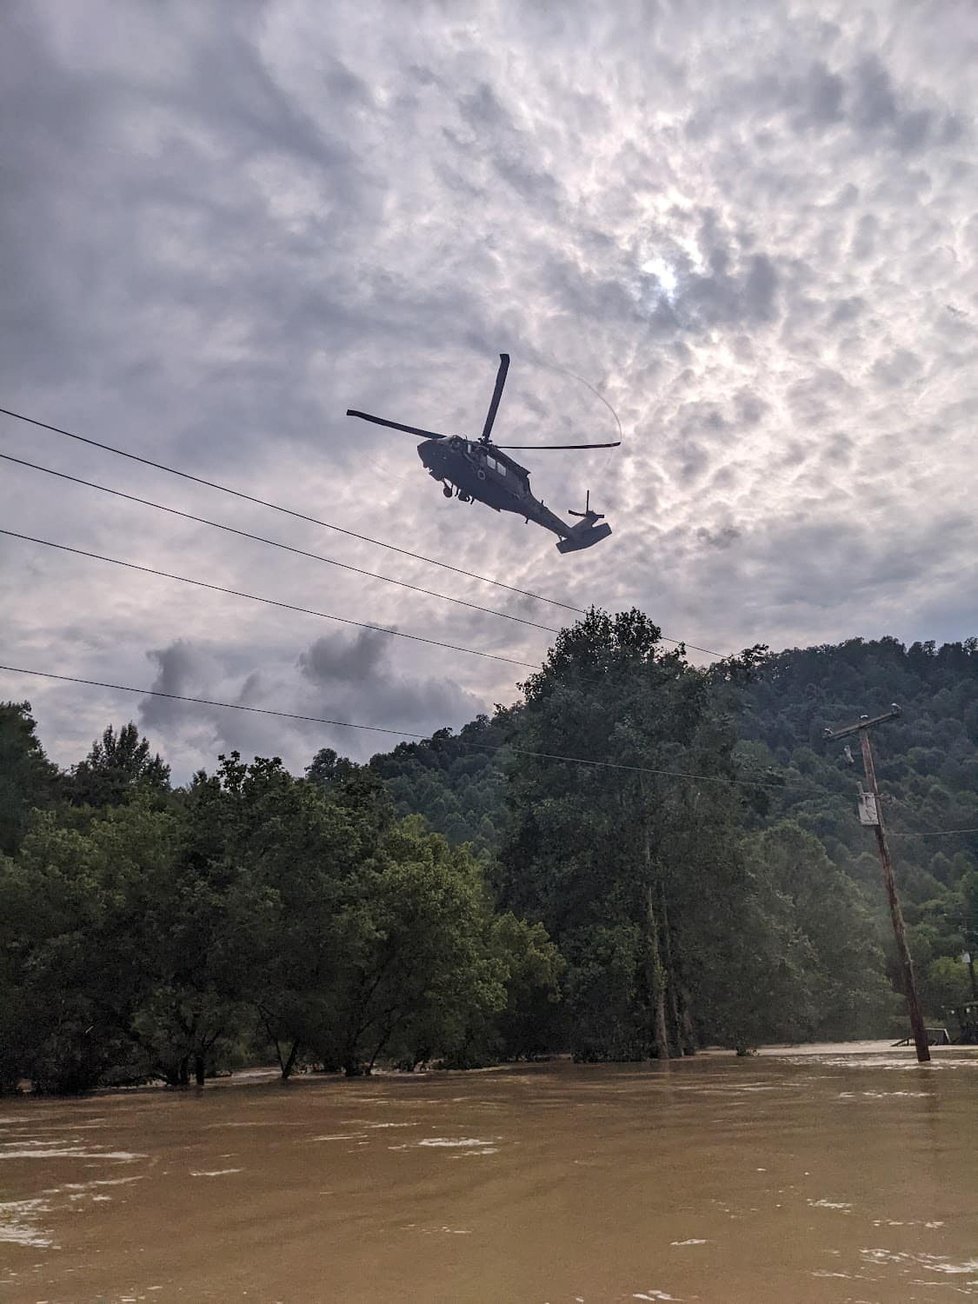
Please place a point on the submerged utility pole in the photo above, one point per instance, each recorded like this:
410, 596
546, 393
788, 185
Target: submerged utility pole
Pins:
871, 812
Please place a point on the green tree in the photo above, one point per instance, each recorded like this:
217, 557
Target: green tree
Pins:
76, 933
625, 864
297, 847
117, 766
528, 1023
415, 966
946, 986
27, 777
841, 989
327, 768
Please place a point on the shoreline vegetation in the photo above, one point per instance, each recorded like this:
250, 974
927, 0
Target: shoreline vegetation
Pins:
269, 1073
638, 859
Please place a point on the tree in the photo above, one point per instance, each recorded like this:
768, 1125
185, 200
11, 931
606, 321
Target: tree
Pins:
623, 863
415, 967
841, 988
76, 940
527, 1024
27, 778
327, 768
117, 766
296, 847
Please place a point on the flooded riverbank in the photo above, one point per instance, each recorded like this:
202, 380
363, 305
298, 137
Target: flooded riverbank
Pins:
840, 1175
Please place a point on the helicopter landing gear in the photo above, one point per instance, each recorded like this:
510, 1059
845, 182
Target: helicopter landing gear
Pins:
447, 490
464, 498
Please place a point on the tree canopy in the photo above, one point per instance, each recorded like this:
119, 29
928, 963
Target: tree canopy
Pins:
637, 858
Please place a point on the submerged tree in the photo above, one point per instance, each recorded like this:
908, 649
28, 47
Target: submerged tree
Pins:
626, 862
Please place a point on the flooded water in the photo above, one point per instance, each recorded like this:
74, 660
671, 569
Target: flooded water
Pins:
797, 1177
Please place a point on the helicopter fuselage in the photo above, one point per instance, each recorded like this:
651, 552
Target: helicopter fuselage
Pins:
478, 471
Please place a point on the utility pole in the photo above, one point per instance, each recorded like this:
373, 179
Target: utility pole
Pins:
871, 812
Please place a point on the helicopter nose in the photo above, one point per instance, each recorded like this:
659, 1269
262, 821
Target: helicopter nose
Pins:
426, 451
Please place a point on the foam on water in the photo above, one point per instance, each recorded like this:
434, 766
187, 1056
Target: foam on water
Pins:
452, 1142
18, 1223
72, 1152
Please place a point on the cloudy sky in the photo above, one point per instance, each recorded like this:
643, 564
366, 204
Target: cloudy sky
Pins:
751, 228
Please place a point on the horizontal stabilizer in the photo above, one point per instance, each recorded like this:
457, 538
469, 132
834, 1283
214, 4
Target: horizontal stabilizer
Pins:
584, 535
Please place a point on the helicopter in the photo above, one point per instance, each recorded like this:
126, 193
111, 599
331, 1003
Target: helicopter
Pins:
477, 470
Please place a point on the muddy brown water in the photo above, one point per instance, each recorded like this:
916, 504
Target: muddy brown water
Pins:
833, 1176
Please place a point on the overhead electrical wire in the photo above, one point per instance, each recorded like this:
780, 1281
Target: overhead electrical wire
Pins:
275, 543
277, 507
931, 833
313, 520
920, 833
400, 733
273, 602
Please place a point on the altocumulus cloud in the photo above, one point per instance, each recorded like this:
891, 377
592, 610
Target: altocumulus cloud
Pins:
751, 227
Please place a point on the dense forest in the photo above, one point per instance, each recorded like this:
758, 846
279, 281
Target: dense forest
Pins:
639, 858
927, 764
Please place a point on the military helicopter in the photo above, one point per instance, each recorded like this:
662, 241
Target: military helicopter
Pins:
479, 470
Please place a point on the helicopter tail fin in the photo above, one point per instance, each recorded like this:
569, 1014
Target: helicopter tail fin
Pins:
587, 532
584, 535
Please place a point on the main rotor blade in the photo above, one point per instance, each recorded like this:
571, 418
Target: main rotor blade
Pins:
497, 394
543, 447
395, 425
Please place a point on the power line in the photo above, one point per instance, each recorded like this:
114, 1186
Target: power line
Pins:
934, 833
275, 543
272, 602
313, 520
287, 511
923, 833
399, 733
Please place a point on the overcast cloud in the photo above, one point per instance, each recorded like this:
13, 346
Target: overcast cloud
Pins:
753, 228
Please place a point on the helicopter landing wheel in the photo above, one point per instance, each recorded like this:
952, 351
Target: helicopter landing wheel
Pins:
447, 490
465, 498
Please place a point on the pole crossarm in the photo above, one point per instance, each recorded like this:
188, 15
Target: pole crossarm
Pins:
864, 723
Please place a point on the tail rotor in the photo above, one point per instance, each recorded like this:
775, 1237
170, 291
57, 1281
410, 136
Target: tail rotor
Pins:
587, 514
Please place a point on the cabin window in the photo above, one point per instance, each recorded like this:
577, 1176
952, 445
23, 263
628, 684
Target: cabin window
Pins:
496, 466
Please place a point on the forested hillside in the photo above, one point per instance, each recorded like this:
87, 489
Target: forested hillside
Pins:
638, 858
927, 764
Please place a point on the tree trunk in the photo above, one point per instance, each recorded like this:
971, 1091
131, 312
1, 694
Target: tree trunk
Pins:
657, 980
289, 1064
656, 970
689, 1035
671, 979
199, 1075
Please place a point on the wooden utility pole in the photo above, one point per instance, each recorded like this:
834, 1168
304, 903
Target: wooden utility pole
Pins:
889, 882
